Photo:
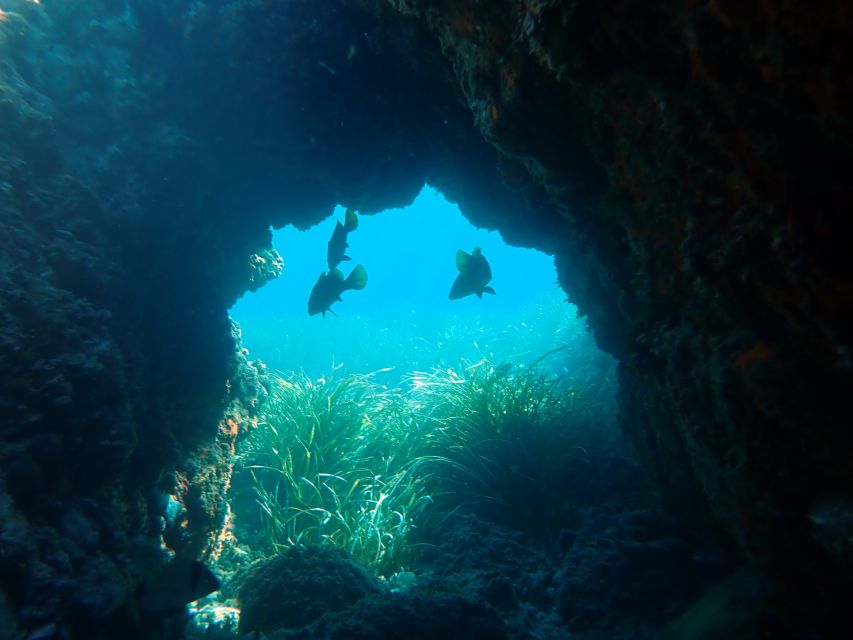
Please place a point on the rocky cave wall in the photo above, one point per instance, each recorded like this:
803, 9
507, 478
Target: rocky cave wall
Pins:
685, 163
698, 154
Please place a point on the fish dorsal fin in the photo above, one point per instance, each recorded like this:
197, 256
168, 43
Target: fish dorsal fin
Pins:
477, 252
357, 278
337, 274
350, 220
462, 260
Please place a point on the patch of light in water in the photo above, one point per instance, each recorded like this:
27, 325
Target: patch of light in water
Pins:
403, 318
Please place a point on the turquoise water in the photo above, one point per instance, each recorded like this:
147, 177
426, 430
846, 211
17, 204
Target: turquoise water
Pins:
403, 318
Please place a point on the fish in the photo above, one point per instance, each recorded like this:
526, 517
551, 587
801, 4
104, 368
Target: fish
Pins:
474, 275
338, 242
330, 286
168, 589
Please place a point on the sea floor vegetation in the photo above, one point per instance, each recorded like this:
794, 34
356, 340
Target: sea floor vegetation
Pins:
498, 491
349, 462
335, 463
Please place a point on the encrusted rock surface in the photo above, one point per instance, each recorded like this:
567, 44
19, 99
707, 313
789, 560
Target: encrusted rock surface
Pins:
696, 157
686, 164
302, 584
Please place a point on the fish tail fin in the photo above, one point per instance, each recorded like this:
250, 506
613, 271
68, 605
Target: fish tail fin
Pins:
358, 278
489, 290
350, 220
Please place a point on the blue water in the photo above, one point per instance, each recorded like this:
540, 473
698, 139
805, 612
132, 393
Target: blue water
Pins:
403, 319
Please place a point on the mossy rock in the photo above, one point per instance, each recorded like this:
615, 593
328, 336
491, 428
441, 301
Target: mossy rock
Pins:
299, 586
415, 615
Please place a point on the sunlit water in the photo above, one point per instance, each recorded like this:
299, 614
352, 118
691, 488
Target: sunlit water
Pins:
403, 319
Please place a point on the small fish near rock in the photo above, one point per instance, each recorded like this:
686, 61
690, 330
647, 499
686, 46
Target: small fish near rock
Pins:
330, 286
170, 588
335, 253
474, 275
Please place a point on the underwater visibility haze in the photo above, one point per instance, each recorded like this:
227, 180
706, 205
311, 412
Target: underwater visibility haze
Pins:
414, 319
422, 421
404, 318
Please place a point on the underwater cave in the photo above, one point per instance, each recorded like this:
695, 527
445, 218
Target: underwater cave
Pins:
405, 318
656, 445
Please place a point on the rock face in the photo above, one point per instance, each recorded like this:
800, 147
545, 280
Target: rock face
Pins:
686, 165
297, 587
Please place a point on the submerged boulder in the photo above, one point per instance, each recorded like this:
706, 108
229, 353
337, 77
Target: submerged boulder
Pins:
299, 586
414, 615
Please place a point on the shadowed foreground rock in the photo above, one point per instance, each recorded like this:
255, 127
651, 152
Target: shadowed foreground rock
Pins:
296, 588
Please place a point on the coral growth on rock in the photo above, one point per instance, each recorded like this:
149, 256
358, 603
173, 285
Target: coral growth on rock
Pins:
299, 586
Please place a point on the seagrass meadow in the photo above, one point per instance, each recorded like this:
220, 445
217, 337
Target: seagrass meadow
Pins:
416, 319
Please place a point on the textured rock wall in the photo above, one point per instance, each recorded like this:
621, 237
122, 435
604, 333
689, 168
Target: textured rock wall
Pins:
698, 155
117, 355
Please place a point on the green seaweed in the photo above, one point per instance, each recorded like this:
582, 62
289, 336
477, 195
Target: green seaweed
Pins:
349, 462
332, 465
507, 435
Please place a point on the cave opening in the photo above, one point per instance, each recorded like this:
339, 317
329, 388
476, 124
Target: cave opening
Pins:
403, 320
408, 427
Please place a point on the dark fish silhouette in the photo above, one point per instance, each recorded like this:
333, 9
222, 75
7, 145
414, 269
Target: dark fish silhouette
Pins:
330, 286
474, 275
338, 242
173, 586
